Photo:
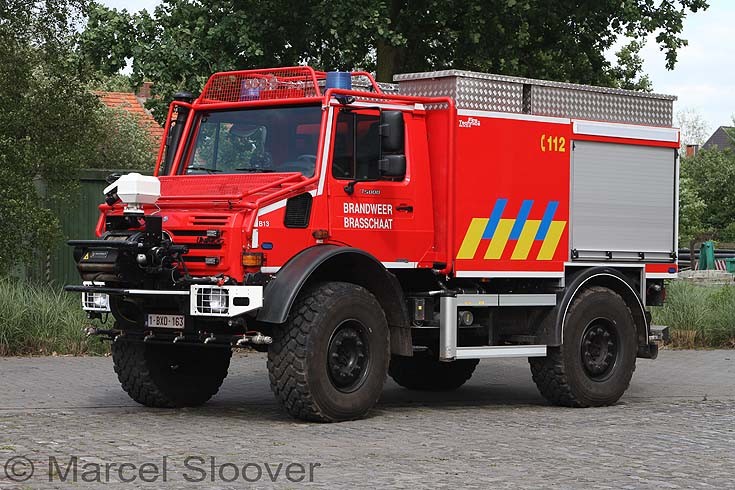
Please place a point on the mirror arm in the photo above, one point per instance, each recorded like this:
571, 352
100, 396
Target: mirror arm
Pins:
350, 187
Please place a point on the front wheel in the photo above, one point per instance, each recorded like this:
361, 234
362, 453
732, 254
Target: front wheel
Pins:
596, 360
169, 375
329, 361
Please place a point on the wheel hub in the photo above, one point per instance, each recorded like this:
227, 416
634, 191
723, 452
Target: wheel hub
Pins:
599, 349
348, 356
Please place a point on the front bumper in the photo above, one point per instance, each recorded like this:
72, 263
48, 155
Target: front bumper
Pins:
204, 300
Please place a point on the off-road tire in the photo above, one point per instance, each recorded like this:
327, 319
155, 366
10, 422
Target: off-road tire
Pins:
169, 375
298, 357
426, 373
561, 376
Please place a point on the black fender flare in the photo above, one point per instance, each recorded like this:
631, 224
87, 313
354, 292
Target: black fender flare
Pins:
552, 329
333, 263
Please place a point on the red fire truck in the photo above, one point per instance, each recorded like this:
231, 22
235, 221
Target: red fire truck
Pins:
356, 230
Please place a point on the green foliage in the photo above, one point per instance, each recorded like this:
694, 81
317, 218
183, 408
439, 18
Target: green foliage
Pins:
183, 42
628, 73
51, 125
692, 210
111, 83
41, 124
120, 142
40, 320
708, 195
707, 312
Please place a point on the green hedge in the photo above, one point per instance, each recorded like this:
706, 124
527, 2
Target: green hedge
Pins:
41, 320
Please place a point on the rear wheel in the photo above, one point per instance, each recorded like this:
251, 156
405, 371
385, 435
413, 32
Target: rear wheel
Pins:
169, 375
426, 373
596, 360
329, 361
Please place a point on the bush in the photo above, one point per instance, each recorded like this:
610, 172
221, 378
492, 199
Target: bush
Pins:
698, 315
36, 319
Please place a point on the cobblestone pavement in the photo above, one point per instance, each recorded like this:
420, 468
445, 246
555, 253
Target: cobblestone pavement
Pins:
675, 428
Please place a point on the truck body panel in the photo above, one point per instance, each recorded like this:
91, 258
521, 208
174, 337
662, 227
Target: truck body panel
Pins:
512, 194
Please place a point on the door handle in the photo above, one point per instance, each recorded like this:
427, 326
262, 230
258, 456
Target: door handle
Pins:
404, 207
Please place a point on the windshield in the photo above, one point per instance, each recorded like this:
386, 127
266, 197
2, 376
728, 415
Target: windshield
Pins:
281, 139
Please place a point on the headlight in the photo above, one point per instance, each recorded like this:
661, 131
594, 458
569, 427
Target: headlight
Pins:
212, 301
95, 301
227, 301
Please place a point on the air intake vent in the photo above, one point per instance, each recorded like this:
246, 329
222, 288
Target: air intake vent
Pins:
298, 210
212, 220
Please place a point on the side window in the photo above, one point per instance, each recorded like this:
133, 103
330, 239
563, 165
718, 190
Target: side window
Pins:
356, 153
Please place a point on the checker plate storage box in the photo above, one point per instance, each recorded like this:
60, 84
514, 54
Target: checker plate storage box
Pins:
487, 92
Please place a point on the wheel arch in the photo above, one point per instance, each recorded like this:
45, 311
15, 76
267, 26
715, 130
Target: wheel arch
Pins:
335, 263
609, 278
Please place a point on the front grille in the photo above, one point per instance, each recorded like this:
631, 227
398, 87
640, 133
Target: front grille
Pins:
204, 246
189, 232
202, 259
210, 220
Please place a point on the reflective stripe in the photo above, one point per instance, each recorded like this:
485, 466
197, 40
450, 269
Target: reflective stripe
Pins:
495, 216
547, 219
515, 234
472, 238
552, 240
497, 244
523, 246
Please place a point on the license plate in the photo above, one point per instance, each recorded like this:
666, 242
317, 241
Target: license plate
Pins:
165, 321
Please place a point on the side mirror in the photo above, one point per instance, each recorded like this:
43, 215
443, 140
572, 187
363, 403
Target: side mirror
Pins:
393, 166
392, 131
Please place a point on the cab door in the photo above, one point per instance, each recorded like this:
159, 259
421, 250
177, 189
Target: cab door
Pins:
372, 190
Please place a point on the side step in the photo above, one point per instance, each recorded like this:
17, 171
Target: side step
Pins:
448, 307
495, 351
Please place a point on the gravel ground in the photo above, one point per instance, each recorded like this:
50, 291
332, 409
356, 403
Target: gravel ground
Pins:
674, 428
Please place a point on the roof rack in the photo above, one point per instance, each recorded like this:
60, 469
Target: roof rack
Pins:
274, 83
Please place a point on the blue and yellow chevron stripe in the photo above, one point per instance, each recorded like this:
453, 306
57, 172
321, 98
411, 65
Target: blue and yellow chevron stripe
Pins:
520, 229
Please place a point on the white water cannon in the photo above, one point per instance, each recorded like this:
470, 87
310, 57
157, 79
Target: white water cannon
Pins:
135, 190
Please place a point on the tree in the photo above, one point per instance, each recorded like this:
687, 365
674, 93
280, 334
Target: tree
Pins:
183, 42
111, 83
120, 142
707, 199
694, 129
629, 71
50, 124
692, 210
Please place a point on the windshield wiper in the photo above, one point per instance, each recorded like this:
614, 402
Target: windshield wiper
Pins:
254, 169
205, 169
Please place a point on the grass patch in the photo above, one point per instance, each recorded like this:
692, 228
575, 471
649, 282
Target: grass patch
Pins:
41, 320
698, 315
